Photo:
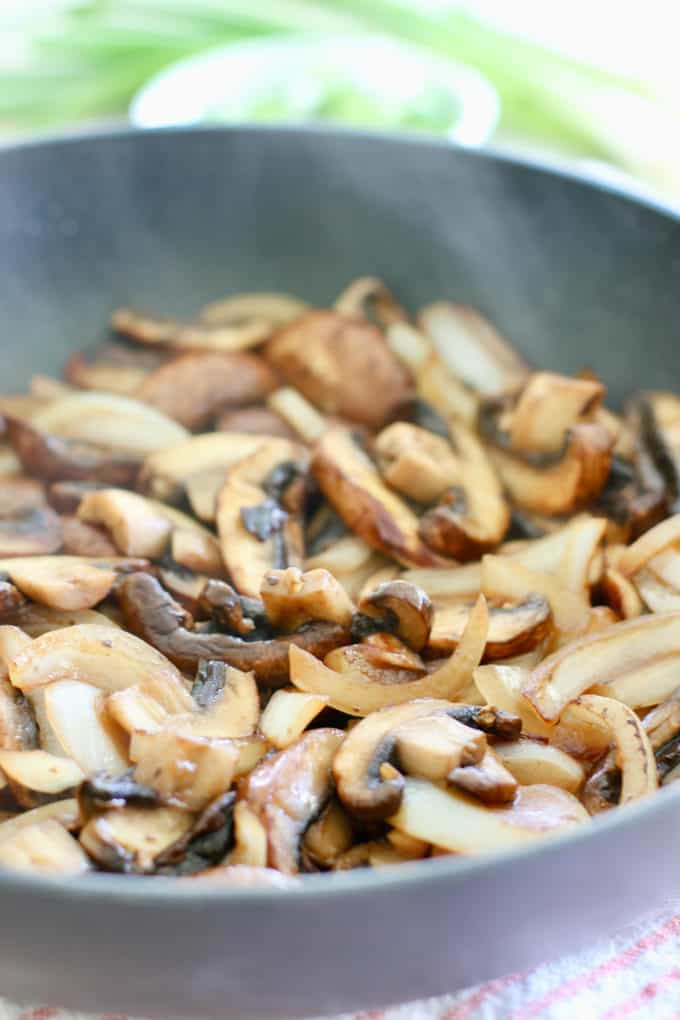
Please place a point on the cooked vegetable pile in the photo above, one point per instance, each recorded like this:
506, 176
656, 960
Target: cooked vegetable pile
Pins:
288, 589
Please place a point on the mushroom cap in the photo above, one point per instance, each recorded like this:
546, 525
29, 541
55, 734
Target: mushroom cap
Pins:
405, 603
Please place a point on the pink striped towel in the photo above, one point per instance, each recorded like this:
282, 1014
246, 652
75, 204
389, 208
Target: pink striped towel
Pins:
634, 975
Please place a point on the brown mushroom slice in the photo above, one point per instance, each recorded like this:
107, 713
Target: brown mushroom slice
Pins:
111, 421
136, 527
647, 547
443, 390
417, 463
502, 686
56, 459
292, 598
105, 657
202, 491
41, 771
488, 780
473, 516
433, 747
147, 328
151, 614
457, 822
299, 415
635, 660
326, 839
111, 367
255, 420
255, 532
61, 582
184, 769
228, 700
371, 791
531, 761
350, 482
377, 652
505, 579
131, 839
638, 765
563, 485
342, 364
191, 389
165, 472
81, 539
359, 694
405, 609
289, 790
277, 308
368, 297
42, 847
472, 348
622, 595
513, 629
287, 715
73, 723
547, 407
37, 620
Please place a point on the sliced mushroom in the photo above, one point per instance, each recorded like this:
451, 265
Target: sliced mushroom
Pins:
184, 769
131, 839
276, 307
110, 421
228, 699
147, 328
350, 482
105, 657
136, 526
151, 614
165, 472
653, 419
292, 598
342, 364
192, 389
444, 391
416, 462
62, 582
369, 297
37, 620
402, 608
44, 847
489, 780
358, 692
112, 367
558, 486
56, 459
288, 791
256, 421
472, 348
205, 844
256, 532
81, 539
65, 812
547, 407
326, 839
380, 657
301, 417
456, 822
635, 661
232, 612
370, 792
134, 709
513, 629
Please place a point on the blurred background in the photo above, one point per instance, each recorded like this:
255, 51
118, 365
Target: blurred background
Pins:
593, 85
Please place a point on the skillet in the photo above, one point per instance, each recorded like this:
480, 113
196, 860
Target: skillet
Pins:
575, 275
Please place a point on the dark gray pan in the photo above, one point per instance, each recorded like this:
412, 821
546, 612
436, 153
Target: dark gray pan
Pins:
575, 275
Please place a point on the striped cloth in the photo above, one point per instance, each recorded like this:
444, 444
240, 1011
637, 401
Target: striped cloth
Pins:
635, 975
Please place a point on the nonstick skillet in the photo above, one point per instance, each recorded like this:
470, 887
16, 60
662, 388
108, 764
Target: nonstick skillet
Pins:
576, 276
